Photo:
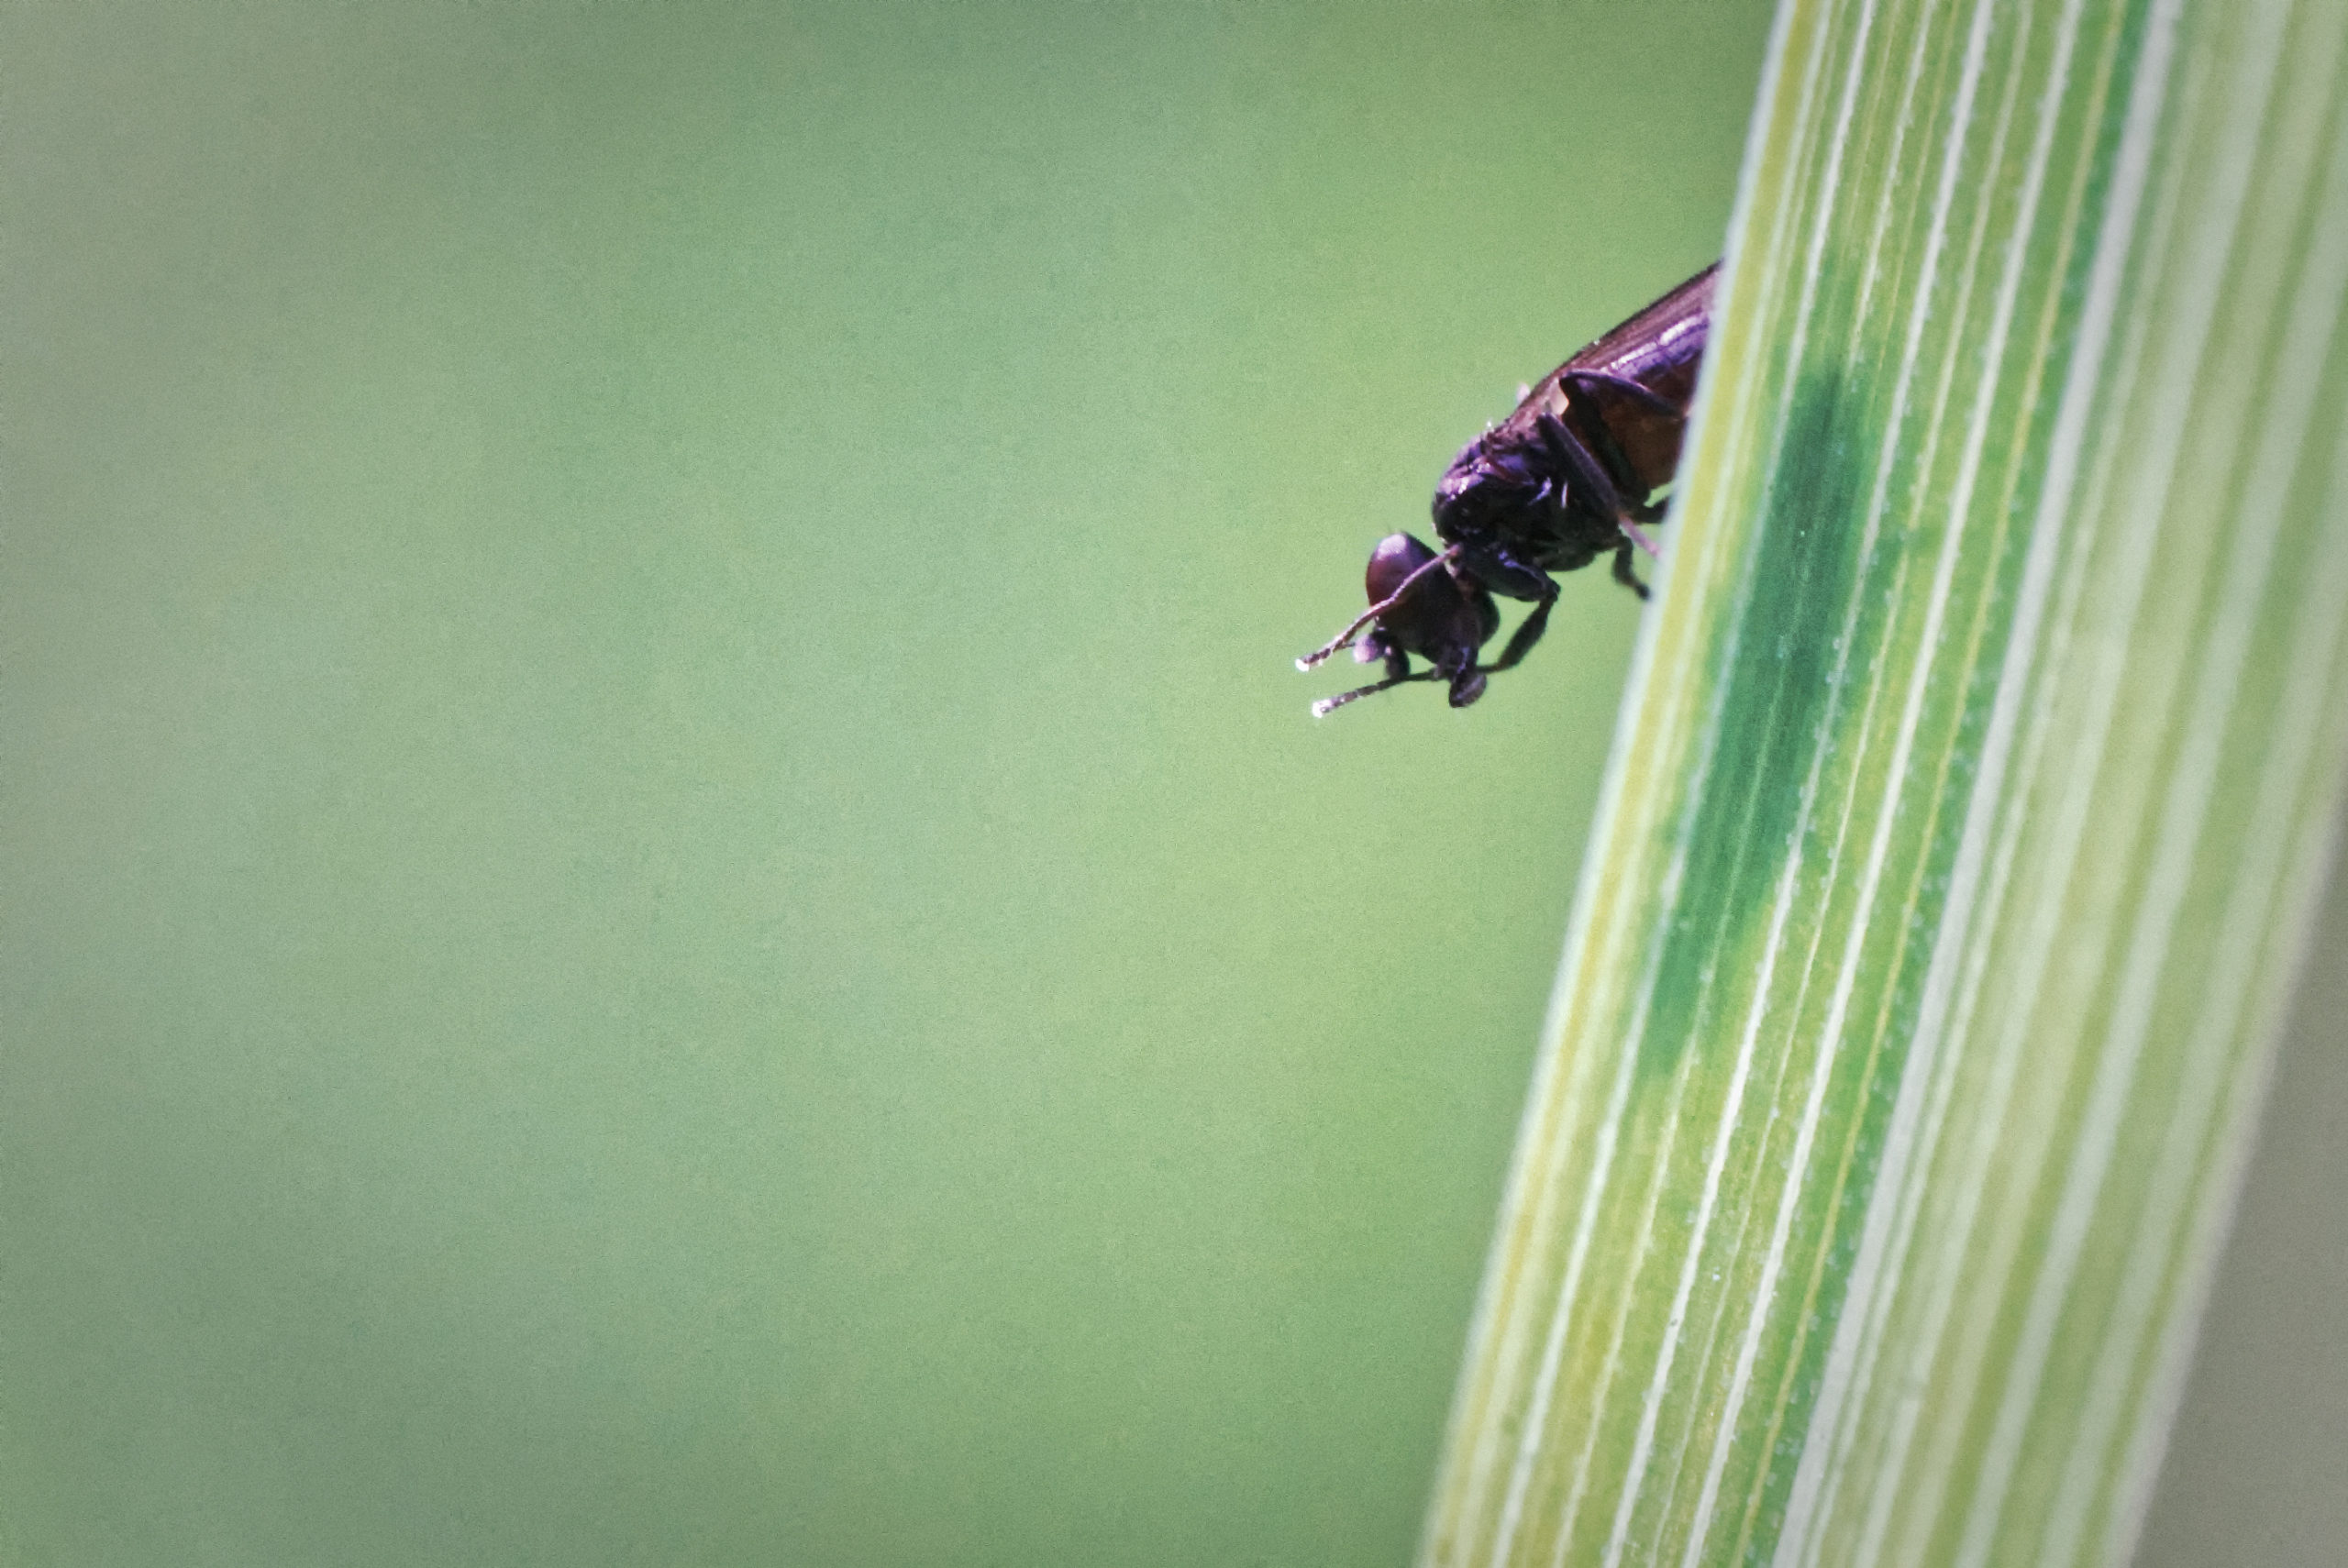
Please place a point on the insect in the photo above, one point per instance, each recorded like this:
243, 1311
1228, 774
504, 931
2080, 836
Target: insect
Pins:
1571, 475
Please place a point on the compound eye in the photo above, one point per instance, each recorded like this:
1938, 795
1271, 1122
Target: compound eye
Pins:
1426, 619
1391, 564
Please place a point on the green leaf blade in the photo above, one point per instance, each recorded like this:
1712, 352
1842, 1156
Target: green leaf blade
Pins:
1888, 1111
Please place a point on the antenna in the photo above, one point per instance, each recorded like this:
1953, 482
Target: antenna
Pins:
1345, 638
1328, 705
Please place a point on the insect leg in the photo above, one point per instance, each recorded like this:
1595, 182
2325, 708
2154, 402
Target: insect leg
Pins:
1526, 634
1622, 573
1584, 474
1625, 386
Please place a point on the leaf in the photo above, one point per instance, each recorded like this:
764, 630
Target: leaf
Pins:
1965, 816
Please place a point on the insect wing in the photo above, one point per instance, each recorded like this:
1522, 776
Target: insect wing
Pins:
1659, 347
1629, 392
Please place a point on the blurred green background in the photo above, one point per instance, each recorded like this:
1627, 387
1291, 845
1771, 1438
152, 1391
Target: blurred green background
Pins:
667, 896
670, 899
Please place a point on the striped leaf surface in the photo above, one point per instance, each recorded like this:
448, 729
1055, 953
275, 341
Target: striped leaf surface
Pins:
1965, 814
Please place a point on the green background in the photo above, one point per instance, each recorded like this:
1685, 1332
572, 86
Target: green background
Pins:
669, 895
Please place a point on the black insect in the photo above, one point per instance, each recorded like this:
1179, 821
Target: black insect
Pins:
1569, 475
